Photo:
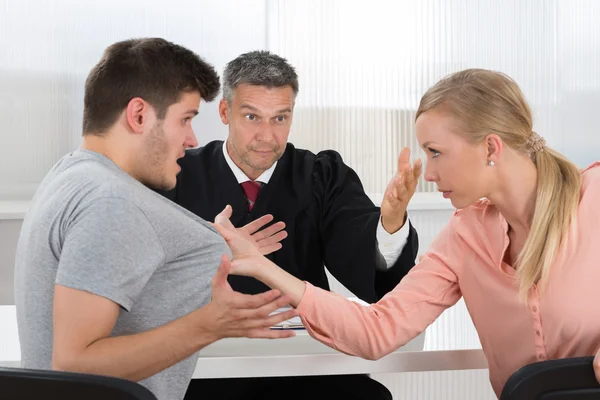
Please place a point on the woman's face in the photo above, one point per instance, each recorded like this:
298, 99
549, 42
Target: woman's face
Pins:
458, 167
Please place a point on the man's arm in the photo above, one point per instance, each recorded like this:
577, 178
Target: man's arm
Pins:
84, 321
397, 239
392, 230
391, 245
386, 280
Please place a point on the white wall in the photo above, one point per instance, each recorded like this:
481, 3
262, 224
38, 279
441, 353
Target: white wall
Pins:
9, 234
48, 47
364, 66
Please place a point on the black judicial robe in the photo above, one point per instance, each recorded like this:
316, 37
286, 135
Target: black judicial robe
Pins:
329, 219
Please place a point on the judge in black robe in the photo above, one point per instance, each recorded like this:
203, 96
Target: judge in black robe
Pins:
330, 220
331, 223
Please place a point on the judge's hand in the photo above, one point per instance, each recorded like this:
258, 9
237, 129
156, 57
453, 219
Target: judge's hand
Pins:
247, 261
265, 240
399, 192
597, 365
233, 314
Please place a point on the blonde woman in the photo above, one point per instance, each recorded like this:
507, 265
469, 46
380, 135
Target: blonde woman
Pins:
525, 258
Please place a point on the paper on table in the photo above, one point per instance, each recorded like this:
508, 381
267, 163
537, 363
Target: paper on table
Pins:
296, 322
292, 323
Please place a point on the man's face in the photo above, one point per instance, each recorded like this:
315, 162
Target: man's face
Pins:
259, 122
166, 141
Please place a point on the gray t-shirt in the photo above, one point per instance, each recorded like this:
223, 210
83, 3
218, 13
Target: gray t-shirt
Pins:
93, 227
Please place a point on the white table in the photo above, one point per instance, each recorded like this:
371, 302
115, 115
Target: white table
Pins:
10, 354
301, 355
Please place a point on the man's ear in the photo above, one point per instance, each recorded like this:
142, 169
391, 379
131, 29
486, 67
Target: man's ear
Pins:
224, 111
494, 147
137, 114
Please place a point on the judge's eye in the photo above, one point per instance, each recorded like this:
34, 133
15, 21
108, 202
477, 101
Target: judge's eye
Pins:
251, 117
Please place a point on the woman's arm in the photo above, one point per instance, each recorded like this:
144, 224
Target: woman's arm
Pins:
273, 276
369, 332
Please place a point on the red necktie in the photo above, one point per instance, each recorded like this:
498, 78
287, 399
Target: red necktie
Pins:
251, 188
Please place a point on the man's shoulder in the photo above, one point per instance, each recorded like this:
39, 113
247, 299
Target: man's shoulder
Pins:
322, 170
202, 162
208, 151
329, 165
81, 193
92, 192
323, 157
89, 178
201, 155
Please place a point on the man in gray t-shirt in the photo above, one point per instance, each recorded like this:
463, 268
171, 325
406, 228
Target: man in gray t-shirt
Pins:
92, 227
112, 278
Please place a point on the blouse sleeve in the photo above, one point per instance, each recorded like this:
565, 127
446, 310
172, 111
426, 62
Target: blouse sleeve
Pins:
381, 328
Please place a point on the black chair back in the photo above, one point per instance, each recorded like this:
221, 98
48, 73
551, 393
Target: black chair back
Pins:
29, 384
563, 379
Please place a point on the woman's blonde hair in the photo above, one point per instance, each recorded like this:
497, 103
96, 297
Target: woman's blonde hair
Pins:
484, 102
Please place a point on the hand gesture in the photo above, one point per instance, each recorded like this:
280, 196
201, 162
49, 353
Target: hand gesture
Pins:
246, 255
235, 314
265, 240
399, 192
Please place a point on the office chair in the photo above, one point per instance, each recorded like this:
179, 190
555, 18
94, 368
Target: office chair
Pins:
29, 384
563, 379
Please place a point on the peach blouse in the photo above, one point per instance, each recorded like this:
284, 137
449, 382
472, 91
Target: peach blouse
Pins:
466, 259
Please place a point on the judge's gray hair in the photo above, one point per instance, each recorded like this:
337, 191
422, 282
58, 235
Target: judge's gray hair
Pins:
261, 68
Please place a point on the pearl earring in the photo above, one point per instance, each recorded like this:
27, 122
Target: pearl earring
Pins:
491, 163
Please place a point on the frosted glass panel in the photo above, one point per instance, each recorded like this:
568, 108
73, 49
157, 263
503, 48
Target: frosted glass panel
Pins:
363, 67
48, 47
579, 78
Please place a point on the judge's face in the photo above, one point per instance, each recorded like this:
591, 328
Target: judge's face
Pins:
165, 142
457, 166
259, 120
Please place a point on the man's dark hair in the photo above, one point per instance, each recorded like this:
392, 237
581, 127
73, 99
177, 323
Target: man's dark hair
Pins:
260, 68
153, 69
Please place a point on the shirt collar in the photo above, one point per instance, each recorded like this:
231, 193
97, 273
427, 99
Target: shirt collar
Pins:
240, 175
